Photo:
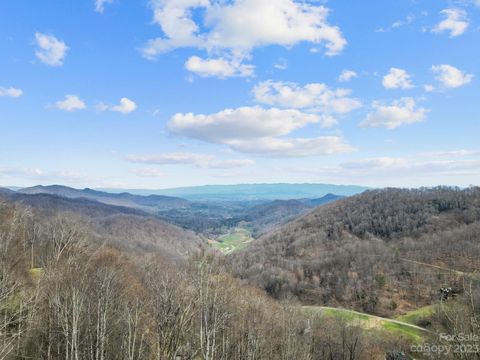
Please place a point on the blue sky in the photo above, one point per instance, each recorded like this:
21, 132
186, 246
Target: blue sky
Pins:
166, 93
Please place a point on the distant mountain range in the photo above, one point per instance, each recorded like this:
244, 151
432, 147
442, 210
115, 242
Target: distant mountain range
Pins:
262, 207
252, 192
151, 203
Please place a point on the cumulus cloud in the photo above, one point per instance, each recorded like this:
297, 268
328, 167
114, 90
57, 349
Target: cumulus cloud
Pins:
257, 130
221, 67
455, 22
199, 160
315, 97
239, 26
451, 77
347, 75
242, 123
126, 106
398, 113
397, 79
10, 92
100, 5
51, 51
71, 103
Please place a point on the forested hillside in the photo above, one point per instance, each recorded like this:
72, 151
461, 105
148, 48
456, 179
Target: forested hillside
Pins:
264, 217
66, 295
126, 227
384, 251
81, 279
210, 216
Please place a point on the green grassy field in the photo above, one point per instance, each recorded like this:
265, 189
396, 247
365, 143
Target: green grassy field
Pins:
416, 316
405, 330
235, 240
371, 322
349, 316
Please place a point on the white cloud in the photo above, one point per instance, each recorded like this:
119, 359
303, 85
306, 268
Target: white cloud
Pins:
379, 162
451, 77
455, 22
453, 153
49, 176
384, 171
429, 88
170, 158
51, 51
243, 123
126, 106
10, 92
347, 75
281, 64
397, 79
26, 172
315, 97
258, 131
240, 26
230, 164
398, 113
399, 167
100, 5
149, 173
327, 121
293, 147
407, 21
199, 160
221, 67
71, 103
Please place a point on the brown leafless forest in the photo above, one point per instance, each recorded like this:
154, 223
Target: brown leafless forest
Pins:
83, 282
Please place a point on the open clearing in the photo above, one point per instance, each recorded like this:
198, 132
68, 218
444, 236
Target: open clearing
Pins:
371, 322
416, 316
236, 239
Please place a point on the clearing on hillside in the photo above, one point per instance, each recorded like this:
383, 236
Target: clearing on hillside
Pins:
370, 322
236, 239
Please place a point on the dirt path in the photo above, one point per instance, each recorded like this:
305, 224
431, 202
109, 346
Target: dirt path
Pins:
461, 273
374, 317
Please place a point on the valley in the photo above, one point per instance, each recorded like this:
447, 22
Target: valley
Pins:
239, 180
367, 267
